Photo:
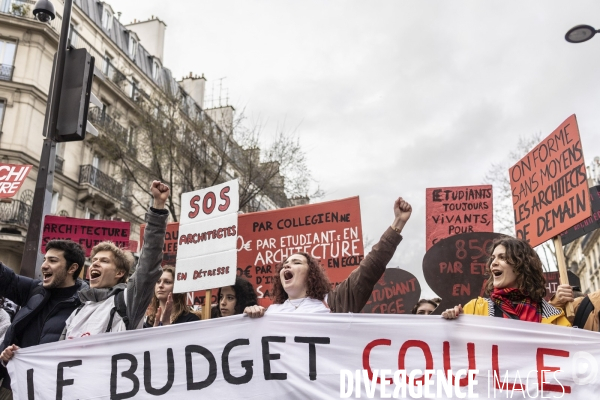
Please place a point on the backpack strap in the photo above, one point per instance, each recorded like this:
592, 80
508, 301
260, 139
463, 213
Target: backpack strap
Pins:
119, 308
583, 312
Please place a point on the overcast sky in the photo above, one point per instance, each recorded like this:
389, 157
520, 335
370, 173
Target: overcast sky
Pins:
392, 97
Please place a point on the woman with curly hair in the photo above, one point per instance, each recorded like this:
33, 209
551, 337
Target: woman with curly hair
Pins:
234, 299
166, 307
300, 283
516, 287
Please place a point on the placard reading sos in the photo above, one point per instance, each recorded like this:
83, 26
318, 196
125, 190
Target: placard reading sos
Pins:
211, 202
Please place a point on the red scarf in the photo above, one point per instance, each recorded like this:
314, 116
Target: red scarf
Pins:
525, 309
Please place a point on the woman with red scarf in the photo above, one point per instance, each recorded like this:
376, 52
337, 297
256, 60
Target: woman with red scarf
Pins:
516, 287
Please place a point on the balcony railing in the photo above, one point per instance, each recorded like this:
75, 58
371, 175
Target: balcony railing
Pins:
6, 72
98, 179
107, 123
15, 213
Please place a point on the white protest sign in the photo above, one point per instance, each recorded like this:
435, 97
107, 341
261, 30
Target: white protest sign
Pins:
207, 256
317, 356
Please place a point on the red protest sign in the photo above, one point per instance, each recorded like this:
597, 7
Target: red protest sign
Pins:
549, 186
86, 232
330, 231
587, 225
170, 246
459, 209
11, 178
396, 292
455, 267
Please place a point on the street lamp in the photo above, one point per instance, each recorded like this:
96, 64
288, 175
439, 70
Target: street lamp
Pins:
580, 34
65, 120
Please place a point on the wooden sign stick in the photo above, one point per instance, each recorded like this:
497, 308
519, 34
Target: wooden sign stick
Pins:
207, 304
562, 270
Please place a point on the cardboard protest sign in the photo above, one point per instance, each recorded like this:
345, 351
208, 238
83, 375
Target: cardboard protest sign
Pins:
588, 225
553, 280
549, 186
395, 293
455, 267
312, 356
330, 231
459, 209
86, 232
12, 177
208, 228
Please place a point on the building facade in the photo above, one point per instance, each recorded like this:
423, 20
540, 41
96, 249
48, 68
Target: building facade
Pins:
583, 254
108, 177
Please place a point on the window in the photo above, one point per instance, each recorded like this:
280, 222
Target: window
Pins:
90, 214
73, 37
107, 64
54, 205
7, 58
130, 138
135, 92
2, 106
107, 19
155, 68
133, 44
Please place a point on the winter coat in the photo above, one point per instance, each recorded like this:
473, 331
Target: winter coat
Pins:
485, 307
32, 297
99, 303
353, 293
592, 323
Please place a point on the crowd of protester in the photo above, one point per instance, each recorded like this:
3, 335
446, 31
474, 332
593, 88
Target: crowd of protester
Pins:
61, 306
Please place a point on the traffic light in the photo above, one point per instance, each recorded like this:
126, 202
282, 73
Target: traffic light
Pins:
75, 97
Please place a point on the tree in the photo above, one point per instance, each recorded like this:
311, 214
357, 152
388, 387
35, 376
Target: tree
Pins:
183, 147
497, 176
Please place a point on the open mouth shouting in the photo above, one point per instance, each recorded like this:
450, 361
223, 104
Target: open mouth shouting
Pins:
47, 276
95, 276
287, 276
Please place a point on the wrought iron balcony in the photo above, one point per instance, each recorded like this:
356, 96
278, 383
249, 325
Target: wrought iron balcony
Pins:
98, 179
108, 124
6, 72
15, 213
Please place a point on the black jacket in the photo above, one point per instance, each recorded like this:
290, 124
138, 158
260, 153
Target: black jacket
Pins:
32, 297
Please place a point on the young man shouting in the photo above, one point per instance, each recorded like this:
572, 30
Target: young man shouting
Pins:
113, 303
46, 304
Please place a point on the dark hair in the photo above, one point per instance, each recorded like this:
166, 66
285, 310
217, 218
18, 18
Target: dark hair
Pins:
423, 301
245, 296
317, 282
526, 264
73, 253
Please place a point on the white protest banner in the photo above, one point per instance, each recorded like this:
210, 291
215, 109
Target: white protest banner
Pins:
12, 177
207, 255
317, 356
